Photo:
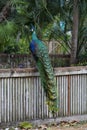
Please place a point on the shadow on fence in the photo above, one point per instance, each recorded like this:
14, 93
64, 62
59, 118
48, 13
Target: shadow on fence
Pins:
25, 60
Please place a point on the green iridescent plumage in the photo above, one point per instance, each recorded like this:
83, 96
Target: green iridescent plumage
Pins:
41, 56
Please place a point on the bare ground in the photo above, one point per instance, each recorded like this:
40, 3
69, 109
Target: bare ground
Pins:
82, 127
65, 126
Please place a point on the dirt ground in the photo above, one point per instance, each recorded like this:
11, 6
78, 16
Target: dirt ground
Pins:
82, 127
74, 125
66, 126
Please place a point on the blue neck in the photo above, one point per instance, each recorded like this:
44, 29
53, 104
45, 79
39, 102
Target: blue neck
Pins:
34, 36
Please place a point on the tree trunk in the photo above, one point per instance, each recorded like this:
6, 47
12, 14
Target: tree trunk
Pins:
74, 32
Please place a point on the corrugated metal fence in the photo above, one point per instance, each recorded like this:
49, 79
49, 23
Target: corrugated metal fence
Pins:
22, 97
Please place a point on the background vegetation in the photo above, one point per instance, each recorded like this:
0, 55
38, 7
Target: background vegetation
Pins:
65, 21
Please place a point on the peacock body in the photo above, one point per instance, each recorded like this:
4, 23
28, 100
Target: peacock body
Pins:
41, 56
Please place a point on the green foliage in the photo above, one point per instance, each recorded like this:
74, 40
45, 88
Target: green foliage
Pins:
21, 11
82, 63
82, 33
7, 35
82, 59
82, 40
23, 46
25, 125
60, 62
53, 31
46, 16
9, 41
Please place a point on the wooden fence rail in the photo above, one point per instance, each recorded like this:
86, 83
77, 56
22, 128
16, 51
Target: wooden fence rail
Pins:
22, 97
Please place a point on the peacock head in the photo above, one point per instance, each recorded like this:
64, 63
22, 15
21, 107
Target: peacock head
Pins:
33, 30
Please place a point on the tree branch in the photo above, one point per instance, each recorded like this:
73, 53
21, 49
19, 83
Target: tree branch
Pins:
5, 12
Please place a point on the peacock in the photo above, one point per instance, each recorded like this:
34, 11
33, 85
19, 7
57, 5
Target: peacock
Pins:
40, 53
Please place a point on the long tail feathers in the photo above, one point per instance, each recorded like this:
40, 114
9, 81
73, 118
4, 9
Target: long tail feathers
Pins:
49, 84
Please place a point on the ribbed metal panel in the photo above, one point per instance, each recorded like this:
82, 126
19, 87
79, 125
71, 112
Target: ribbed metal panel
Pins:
22, 96
78, 94
21, 99
62, 88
